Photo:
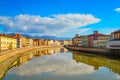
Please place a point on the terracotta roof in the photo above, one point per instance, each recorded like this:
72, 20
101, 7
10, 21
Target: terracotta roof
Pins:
4, 35
17, 36
115, 31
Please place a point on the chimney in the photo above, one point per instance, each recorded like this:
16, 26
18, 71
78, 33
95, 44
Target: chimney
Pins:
95, 32
77, 35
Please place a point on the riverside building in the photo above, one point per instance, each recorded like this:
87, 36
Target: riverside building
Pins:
77, 40
113, 44
101, 41
93, 37
7, 42
84, 41
94, 40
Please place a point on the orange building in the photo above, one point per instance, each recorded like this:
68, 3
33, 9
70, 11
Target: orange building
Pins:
38, 42
23, 41
45, 42
19, 39
115, 34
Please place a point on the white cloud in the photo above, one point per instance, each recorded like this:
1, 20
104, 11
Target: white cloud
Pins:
78, 31
46, 25
6, 21
117, 10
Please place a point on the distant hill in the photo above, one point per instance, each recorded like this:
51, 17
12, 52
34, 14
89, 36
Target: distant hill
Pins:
52, 37
43, 37
25, 35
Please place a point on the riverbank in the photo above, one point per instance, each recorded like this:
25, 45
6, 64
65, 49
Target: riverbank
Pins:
97, 51
11, 53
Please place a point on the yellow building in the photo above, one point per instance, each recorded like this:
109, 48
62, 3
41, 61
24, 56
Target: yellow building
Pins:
23, 41
38, 42
65, 42
50, 42
77, 40
69, 42
28, 42
56, 42
7, 43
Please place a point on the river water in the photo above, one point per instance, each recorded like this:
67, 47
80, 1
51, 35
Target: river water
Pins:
60, 64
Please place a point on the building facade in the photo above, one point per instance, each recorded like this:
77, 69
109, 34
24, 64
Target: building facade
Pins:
20, 40
93, 40
56, 42
45, 42
77, 40
90, 40
93, 37
23, 41
115, 34
84, 41
7, 43
50, 42
69, 42
28, 42
114, 41
37, 42
101, 41
65, 42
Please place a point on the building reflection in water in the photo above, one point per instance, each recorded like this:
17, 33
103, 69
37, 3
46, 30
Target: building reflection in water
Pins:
63, 50
37, 53
27, 56
97, 62
69, 64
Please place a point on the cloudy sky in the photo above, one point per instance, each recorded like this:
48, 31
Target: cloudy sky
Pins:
62, 18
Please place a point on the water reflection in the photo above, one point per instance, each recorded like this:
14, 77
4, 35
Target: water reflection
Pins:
37, 53
97, 62
18, 60
58, 64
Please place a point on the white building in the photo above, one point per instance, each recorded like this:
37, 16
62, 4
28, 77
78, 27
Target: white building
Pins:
113, 44
114, 41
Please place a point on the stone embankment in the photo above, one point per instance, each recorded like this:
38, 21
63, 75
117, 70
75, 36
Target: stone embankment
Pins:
8, 54
97, 51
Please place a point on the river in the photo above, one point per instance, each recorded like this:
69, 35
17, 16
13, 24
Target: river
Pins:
59, 64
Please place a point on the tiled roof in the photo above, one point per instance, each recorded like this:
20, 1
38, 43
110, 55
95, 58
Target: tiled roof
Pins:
17, 36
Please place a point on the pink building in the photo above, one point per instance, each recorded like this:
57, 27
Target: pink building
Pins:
92, 37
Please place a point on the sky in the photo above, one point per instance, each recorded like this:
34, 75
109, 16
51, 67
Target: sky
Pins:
61, 18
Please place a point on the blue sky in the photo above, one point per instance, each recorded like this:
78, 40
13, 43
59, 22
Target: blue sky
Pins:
62, 18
